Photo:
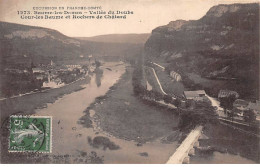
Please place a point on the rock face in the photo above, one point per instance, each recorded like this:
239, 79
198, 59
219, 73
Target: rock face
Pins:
227, 36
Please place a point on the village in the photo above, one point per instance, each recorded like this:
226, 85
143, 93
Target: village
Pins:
228, 106
41, 76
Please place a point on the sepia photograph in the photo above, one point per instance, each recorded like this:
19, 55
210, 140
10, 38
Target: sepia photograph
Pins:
129, 82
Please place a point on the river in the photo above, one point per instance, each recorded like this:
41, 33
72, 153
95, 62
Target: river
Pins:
70, 137
232, 146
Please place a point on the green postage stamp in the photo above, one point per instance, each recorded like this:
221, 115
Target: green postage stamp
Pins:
30, 134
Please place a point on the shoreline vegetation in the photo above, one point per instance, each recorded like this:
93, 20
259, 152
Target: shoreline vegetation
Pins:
122, 114
191, 113
186, 121
120, 106
202, 113
29, 103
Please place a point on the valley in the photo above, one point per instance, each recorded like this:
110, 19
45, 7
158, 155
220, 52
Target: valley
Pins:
188, 86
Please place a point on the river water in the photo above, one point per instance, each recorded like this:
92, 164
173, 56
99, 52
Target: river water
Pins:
221, 158
70, 137
235, 146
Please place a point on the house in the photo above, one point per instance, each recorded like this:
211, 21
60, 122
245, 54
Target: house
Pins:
39, 77
195, 95
254, 106
62, 69
227, 93
175, 75
72, 66
240, 104
201, 93
37, 70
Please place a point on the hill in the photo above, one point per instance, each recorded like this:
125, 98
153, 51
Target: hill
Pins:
22, 44
23, 47
223, 44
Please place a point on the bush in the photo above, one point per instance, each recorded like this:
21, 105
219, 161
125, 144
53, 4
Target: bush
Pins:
177, 102
167, 99
249, 116
104, 142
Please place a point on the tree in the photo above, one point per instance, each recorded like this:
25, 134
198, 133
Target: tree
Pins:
156, 95
167, 99
231, 114
177, 102
98, 64
138, 89
189, 103
201, 114
249, 116
227, 102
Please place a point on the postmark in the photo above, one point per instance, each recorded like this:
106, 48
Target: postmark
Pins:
30, 134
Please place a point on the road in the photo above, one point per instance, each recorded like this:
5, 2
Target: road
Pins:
216, 103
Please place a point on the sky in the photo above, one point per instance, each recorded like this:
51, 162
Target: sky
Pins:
148, 14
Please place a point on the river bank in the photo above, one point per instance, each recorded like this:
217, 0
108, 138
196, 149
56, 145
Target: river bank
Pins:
122, 114
27, 104
149, 132
225, 141
229, 146
75, 143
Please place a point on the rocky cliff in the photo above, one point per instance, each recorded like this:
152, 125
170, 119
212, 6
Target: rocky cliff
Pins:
222, 44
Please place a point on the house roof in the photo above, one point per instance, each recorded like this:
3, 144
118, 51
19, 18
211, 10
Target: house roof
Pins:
36, 68
191, 94
225, 93
201, 91
194, 93
240, 102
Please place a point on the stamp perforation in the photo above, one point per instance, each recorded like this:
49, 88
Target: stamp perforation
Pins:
24, 130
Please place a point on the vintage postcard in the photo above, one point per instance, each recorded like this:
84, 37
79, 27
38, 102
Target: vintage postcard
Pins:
129, 82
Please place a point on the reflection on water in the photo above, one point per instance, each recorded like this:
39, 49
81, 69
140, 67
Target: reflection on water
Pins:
223, 158
99, 76
235, 147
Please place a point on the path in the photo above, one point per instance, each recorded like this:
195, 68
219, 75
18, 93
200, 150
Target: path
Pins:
163, 68
159, 83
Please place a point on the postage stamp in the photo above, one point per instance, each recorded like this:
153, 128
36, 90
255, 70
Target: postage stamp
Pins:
30, 134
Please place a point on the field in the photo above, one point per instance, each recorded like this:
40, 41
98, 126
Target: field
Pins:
149, 77
169, 86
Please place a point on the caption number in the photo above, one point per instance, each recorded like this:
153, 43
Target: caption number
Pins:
23, 12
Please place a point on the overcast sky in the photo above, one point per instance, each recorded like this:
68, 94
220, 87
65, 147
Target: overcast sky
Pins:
148, 14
